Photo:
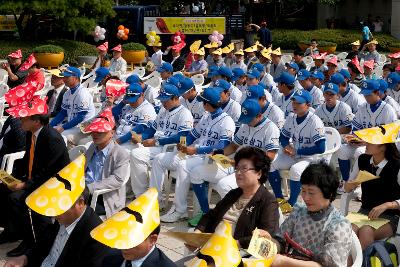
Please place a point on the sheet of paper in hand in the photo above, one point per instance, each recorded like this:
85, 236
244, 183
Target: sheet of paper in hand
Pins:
136, 136
222, 160
364, 176
8, 179
182, 141
361, 220
193, 239
261, 247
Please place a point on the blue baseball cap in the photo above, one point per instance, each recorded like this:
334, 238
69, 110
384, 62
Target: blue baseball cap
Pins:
167, 92
222, 84
134, 78
259, 67
253, 73
345, 73
317, 75
292, 65
250, 110
212, 71
337, 78
331, 87
179, 76
165, 67
133, 92
255, 92
237, 73
285, 78
369, 86
302, 96
225, 71
393, 79
303, 75
210, 95
185, 85
71, 72
101, 73
383, 85
172, 80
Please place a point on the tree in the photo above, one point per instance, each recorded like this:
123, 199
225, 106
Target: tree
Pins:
68, 15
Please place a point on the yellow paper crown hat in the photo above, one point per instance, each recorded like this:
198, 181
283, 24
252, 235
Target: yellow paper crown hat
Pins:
195, 46
277, 52
384, 134
258, 44
59, 193
239, 52
217, 52
211, 45
251, 49
132, 225
356, 43
266, 52
221, 247
200, 52
229, 48
375, 42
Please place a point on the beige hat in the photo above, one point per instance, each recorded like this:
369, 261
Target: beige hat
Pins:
356, 43
239, 52
251, 49
266, 52
375, 42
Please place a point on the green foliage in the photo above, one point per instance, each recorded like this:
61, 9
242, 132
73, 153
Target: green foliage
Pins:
70, 15
48, 49
72, 49
320, 43
134, 47
395, 45
288, 39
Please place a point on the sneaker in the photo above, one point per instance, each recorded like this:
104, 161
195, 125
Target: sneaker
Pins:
196, 219
284, 206
340, 189
173, 216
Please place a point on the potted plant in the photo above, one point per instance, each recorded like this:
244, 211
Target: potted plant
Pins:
394, 47
133, 53
49, 55
328, 47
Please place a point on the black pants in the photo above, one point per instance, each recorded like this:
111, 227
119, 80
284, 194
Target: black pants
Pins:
14, 216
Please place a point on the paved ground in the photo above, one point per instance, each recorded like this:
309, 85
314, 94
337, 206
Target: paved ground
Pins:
171, 247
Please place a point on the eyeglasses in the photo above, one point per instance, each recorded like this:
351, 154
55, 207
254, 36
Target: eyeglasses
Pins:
243, 170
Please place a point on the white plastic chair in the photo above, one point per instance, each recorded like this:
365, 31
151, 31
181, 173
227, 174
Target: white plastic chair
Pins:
308, 60
333, 143
154, 82
356, 251
153, 74
3, 89
286, 58
139, 71
329, 56
342, 56
382, 59
90, 74
9, 159
198, 79
3, 76
76, 151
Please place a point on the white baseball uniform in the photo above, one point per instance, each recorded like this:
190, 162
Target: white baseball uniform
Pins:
73, 103
388, 99
209, 132
166, 124
268, 80
317, 96
195, 107
274, 91
236, 94
285, 104
394, 94
341, 115
303, 135
233, 109
275, 114
365, 118
353, 99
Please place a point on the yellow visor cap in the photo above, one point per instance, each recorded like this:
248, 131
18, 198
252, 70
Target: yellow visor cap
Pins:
384, 134
58, 194
132, 225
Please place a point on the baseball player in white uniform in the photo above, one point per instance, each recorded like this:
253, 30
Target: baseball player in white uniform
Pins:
335, 113
393, 81
268, 109
189, 100
214, 131
77, 106
285, 85
239, 78
383, 88
347, 78
265, 77
303, 76
253, 78
172, 120
135, 114
307, 133
348, 96
371, 114
150, 93
226, 74
228, 105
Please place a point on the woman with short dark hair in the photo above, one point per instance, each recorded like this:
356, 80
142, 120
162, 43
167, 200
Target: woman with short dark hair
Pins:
250, 205
315, 225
